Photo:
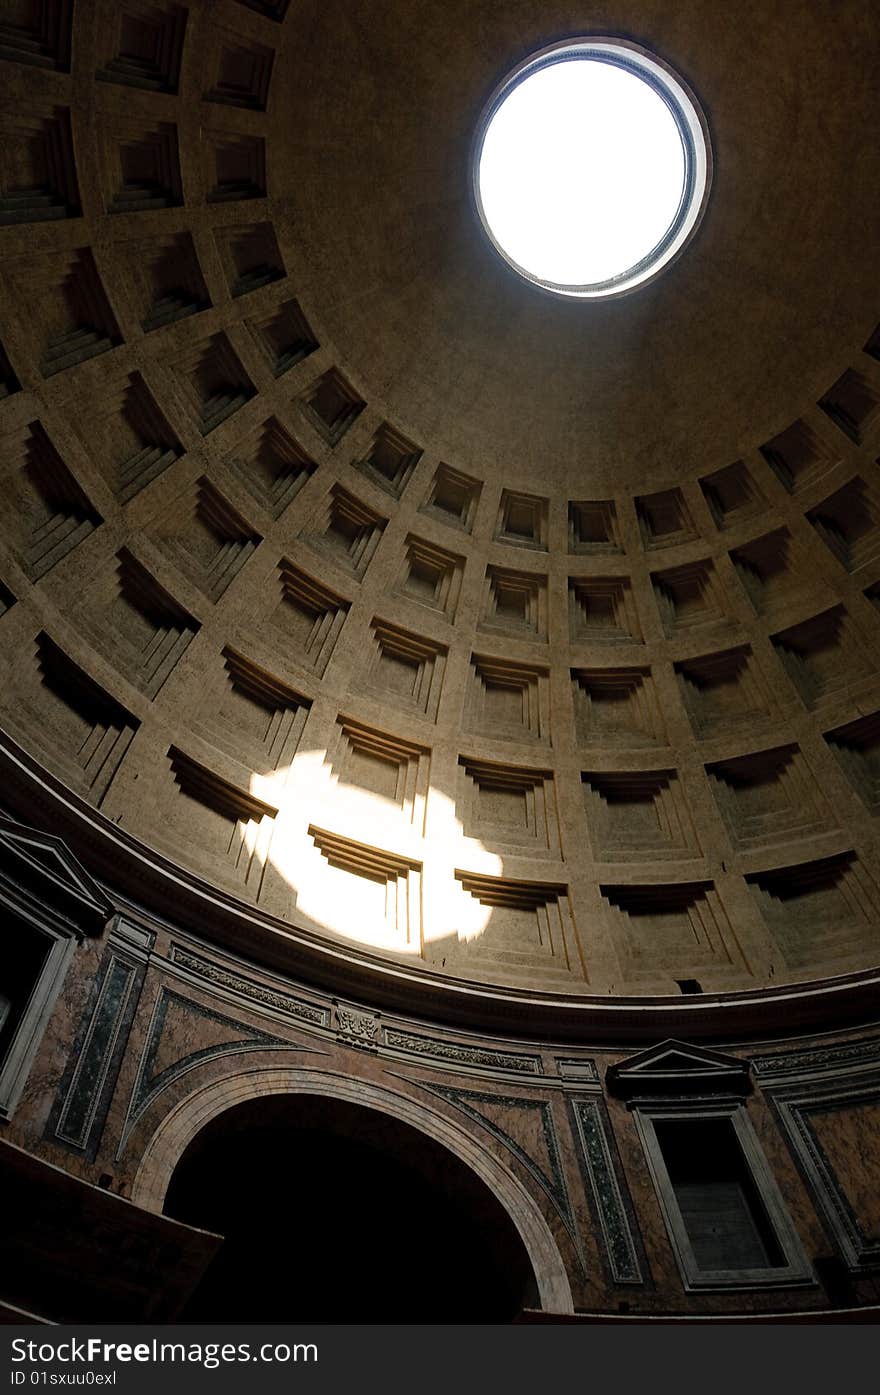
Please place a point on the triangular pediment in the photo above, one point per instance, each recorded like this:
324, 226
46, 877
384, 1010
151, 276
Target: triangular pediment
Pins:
676, 1068
43, 864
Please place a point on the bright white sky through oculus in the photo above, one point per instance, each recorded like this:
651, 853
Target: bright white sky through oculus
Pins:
581, 172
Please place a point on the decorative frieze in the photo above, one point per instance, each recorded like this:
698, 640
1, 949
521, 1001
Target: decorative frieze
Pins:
458, 1054
356, 1028
221, 977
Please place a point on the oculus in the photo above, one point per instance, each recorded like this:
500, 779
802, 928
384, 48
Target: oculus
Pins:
591, 167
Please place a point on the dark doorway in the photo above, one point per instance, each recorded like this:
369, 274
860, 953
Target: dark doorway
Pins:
336, 1213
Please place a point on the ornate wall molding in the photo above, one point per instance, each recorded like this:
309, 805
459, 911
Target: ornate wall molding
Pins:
357, 1028
84, 1098
552, 1183
607, 1192
586, 1072
818, 1062
798, 1112
459, 1054
237, 984
150, 1081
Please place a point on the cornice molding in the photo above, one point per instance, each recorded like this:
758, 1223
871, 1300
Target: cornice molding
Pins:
117, 860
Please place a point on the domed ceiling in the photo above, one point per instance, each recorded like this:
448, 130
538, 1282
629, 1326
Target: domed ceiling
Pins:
717, 355
509, 642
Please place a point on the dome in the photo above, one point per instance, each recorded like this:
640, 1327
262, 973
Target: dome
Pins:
394, 630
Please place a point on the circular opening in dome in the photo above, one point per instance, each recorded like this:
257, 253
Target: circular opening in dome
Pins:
592, 167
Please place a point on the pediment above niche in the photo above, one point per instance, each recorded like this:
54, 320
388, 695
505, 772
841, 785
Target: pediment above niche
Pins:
44, 866
673, 1068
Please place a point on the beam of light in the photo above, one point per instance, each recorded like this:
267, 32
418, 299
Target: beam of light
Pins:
402, 915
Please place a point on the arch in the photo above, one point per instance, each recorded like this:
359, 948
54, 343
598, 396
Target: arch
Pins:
189, 1117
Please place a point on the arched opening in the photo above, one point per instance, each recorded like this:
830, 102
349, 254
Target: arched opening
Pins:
365, 1218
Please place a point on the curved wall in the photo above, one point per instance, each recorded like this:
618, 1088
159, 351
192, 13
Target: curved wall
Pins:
157, 1033
426, 671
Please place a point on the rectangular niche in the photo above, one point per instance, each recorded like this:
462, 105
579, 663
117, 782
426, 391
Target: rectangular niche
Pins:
272, 466
508, 804
38, 32
309, 617
86, 731
406, 669
431, 576
856, 745
853, 404
724, 1213
38, 180
508, 701
250, 256
602, 610
214, 381
221, 823
141, 166
732, 495
207, 539
332, 405
283, 336
7, 600
690, 598
618, 707
769, 797
823, 656
254, 715
522, 520
369, 893
236, 166
592, 526
664, 519
165, 279
390, 460
819, 913
638, 814
528, 932
666, 933
242, 71
141, 45
515, 602
130, 439
769, 572
348, 530
70, 316
724, 690
798, 458
453, 498
47, 513
138, 625
382, 767
848, 522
